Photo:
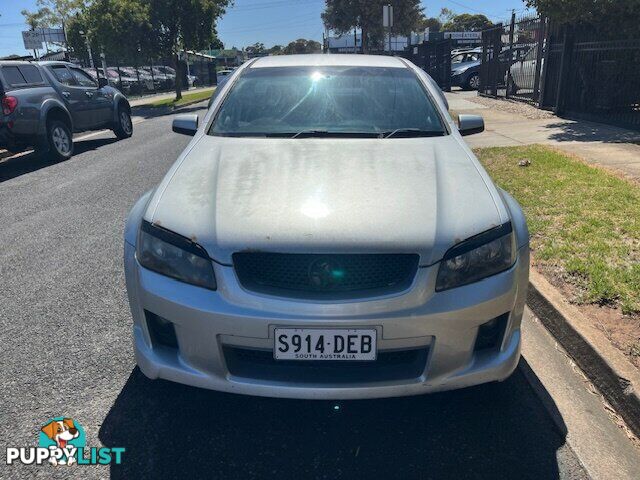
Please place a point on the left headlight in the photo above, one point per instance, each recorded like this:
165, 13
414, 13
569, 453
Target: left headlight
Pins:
175, 256
479, 257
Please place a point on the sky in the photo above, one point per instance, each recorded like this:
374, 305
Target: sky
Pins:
268, 21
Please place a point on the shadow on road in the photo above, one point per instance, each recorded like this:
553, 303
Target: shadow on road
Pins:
498, 430
30, 162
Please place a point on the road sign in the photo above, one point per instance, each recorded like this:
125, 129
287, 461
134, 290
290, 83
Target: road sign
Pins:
52, 35
387, 16
32, 40
463, 35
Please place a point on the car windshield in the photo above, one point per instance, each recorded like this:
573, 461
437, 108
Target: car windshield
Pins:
327, 101
465, 57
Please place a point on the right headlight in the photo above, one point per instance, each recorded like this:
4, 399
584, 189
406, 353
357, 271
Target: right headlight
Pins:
175, 256
478, 257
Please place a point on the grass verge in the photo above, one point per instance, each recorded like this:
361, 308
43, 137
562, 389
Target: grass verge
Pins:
584, 222
186, 98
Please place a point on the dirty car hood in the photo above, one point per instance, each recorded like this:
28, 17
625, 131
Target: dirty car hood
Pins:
419, 195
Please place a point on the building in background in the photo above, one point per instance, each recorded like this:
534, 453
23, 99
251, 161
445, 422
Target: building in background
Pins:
350, 43
227, 57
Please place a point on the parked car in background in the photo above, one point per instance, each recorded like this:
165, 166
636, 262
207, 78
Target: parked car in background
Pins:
465, 69
192, 80
521, 72
149, 84
44, 103
167, 82
223, 74
122, 81
327, 234
465, 66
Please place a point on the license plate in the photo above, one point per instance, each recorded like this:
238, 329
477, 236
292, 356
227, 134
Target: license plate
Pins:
324, 344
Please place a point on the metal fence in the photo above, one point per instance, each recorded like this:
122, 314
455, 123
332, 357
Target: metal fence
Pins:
139, 76
512, 59
564, 69
601, 81
435, 59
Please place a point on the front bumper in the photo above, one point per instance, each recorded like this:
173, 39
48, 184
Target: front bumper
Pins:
444, 324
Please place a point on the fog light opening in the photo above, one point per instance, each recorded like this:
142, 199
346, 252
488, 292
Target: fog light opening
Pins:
491, 333
161, 330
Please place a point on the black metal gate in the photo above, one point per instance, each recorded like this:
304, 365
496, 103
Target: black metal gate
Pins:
512, 60
574, 70
435, 59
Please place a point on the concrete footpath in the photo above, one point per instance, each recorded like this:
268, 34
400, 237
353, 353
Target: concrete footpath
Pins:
612, 147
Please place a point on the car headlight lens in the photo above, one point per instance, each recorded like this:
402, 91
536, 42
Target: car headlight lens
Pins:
479, 257
175, 256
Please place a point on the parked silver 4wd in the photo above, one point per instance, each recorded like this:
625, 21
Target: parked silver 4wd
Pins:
44, 103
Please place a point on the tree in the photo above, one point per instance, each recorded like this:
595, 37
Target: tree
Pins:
276, 50
446, 14
467, 22
216, 44
119, 28
345, 15
51, 13
180, 24
255, 49
432, 23
620, 17
302, 46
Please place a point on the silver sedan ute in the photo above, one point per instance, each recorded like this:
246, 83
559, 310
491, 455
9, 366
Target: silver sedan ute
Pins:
327, 234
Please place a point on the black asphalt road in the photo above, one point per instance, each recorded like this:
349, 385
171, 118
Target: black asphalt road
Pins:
65, 349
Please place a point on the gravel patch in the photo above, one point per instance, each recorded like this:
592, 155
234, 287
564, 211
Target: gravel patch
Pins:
513, 106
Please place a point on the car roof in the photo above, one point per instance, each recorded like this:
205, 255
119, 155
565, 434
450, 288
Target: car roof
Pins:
54, 62
328, 60
15, 62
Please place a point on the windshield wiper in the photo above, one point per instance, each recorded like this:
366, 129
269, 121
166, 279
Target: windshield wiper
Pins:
311, 133
329, 133
412, 132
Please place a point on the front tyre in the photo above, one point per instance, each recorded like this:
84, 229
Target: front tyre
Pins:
473, 83
60, 140
124, 126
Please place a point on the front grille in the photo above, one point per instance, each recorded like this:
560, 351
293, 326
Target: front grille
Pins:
389, 366
325, 276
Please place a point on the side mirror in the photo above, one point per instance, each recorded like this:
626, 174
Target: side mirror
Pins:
102, 82
185, 124
470, 124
